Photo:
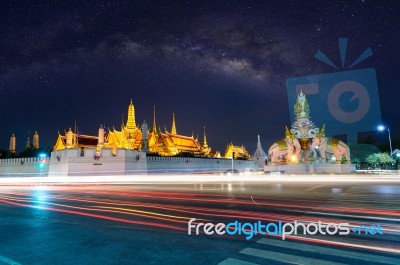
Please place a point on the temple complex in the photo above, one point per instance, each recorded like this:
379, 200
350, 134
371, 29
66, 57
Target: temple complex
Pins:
131, 137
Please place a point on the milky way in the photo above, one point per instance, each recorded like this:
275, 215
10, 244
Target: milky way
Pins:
219, 64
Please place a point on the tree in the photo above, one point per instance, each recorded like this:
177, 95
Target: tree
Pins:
6, 154
32, 152
380, 159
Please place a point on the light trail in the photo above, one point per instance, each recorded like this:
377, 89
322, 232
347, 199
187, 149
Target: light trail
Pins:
161, 225
201, 178
171, 210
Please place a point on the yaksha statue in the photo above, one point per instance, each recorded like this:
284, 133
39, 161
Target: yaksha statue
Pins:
306, 143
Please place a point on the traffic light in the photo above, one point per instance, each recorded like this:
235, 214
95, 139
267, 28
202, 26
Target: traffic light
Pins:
233, 155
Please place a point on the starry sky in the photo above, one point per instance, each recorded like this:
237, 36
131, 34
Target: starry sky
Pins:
219, 64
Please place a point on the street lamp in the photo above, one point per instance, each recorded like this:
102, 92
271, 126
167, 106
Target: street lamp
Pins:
381, 128
42, 160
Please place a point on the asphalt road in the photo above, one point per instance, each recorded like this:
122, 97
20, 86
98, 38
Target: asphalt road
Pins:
148, 223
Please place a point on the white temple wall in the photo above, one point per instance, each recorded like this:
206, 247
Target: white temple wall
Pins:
260, 161
19, 167
312, 168
161, 164
72, 163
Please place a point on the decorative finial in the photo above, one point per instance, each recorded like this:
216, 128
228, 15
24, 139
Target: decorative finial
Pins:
258, 142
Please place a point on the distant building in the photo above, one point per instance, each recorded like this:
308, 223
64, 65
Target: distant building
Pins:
36, 140
13, 144
28, 142
259, 155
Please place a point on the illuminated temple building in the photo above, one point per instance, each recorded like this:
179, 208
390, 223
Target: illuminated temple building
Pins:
238, 152
132, 137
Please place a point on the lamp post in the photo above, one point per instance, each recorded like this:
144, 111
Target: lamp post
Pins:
381, 128
233, 157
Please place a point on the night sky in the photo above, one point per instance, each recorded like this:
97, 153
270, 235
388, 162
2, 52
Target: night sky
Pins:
219, 64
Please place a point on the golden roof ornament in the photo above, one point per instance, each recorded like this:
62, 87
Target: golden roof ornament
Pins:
321, 133
288, 134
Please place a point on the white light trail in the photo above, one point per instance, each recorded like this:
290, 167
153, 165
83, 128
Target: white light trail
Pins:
201, 178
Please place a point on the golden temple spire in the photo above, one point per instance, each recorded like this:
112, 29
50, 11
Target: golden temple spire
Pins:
173, 130
154, 122
205, 145
130, 124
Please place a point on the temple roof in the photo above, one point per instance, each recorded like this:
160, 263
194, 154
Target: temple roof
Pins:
78, 141
240, 152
